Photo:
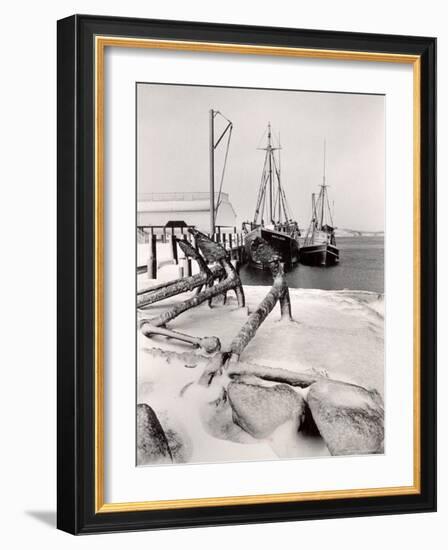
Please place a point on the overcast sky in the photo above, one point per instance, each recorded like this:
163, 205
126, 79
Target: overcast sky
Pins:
173, 147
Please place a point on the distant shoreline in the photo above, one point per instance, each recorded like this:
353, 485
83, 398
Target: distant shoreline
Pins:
363, 235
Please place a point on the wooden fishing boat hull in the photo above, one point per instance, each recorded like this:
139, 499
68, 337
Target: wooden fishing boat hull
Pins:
286, 246
319, 255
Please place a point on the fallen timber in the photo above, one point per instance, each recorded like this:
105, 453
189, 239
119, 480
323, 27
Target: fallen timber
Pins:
228, 280
189, 252
206, 275
232, 281
211, 254
184, 284
279, 292
274, 374
210, 344
348, 417
160, 292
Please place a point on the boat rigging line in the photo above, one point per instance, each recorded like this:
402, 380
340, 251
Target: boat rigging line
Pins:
214, 206
276, 206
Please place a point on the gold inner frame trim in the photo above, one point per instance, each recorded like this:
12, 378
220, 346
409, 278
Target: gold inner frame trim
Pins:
101, 42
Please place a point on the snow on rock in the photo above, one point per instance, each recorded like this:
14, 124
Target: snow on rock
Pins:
261, 410
339, 334
349, 418
152, 445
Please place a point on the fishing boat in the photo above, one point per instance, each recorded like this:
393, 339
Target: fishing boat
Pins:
272, 220
319, 247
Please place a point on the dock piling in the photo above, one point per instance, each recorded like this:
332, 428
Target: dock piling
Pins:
152, 258
186, 262
160, 236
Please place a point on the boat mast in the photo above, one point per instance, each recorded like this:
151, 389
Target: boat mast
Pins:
313, 215
324, 184
269, 152
279, 196
270, 172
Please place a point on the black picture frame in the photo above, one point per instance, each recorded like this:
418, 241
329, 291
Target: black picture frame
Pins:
76, 285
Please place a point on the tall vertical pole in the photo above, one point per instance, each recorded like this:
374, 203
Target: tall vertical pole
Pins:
279, 183
212, 172
323, 187
314, 216
325, 154
271, 213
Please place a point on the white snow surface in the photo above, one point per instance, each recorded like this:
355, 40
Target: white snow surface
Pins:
335, 333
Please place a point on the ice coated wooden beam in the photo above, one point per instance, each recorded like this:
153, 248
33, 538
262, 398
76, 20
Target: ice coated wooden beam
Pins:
278, 293
210, 344
231, 282
178, 286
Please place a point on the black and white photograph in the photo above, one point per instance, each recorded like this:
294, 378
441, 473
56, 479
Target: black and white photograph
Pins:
260, 274
227, 212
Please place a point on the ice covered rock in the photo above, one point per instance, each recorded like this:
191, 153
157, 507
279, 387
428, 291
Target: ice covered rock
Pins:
349, 418
260, 410
218, 419
152, 444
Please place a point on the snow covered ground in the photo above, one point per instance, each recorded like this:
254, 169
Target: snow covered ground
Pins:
334, 333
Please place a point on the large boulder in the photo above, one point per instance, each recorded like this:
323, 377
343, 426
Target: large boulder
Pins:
218, 420
259, 410
152, 444
349, 418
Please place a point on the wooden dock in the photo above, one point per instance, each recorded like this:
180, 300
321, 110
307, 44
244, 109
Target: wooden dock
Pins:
156, 237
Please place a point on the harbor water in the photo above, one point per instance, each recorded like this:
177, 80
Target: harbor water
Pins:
361, 267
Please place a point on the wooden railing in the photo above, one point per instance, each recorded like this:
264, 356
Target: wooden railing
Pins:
155, 236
